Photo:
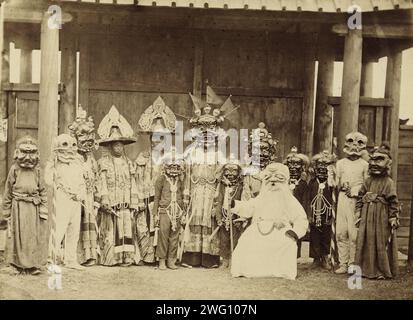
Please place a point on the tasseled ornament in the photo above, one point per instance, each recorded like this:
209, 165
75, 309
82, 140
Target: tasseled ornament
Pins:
173, 210
320, 206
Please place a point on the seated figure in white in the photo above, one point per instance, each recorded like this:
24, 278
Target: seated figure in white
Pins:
268, 247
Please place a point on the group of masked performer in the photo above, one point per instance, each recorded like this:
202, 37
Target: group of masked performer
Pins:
193, 206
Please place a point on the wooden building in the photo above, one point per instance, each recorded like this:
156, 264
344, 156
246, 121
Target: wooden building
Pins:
263, 52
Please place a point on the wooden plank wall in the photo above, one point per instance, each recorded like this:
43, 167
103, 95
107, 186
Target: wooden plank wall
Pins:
405, 183
262, 71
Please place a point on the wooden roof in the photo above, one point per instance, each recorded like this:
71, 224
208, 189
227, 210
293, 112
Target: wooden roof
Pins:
271, 5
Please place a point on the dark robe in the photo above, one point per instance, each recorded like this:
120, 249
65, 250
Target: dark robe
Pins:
376, 251
25, 203
224, 234
300, 192
320, 236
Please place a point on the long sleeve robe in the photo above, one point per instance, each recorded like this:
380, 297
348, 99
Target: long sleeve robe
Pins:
264, 249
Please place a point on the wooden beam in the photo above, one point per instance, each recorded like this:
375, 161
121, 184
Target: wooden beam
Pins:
323, 124
48, 91
67, 107
259, 92
350, 93
379, 31
24, 87
364, 101
14, 14
307, 119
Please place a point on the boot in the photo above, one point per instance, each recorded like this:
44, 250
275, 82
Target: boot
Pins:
225, 263
342, 269
171, 264
89, 263
316, 263
325, 263
162, 265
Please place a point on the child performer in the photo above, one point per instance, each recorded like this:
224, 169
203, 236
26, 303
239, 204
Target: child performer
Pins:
352, 171
168, 208
25, 209
378, 210
321, 190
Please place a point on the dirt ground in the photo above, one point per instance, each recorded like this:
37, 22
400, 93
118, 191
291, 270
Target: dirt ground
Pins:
149, 283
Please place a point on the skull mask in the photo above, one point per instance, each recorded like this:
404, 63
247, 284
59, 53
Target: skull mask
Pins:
231, 174
27, 154
65, 148
380, 161
321, 164
355, 143
296, 163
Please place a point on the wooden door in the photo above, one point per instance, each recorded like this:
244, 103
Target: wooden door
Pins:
23, 110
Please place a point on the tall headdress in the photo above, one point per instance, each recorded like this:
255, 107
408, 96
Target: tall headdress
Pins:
115, 128
157, 117
83, 128
262, 146
206, 118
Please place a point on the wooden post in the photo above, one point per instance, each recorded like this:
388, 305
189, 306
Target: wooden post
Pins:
84, 71
410, 249
198, 63
392, 91
48, 95
350, 94
4, 72
307, 134
323, 123
67, 108
366, 83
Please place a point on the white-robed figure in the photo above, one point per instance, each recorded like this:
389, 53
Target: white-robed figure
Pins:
268, 247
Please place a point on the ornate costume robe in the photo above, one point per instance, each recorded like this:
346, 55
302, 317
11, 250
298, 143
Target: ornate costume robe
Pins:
199, 250
88, 243
146, 175
118, 228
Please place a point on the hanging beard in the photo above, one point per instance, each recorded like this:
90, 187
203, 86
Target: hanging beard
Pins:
27, 156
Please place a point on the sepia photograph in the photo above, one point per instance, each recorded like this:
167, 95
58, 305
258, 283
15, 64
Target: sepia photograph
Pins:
218, 151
